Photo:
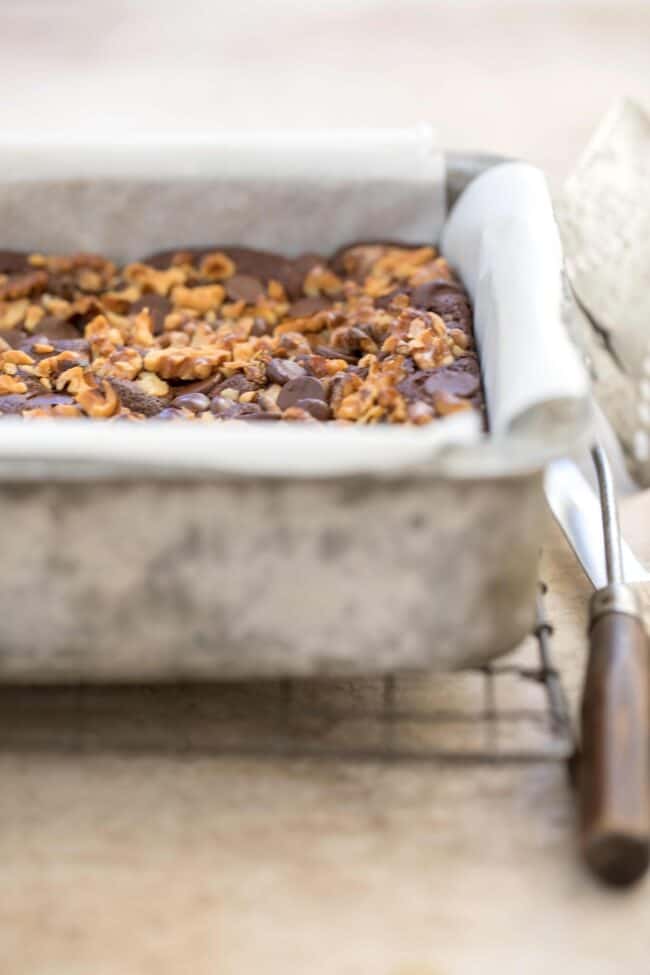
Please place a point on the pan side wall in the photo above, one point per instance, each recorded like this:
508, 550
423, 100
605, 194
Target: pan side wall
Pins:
239, 578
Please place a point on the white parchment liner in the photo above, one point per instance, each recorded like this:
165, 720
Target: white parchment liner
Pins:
502, 237
293, 192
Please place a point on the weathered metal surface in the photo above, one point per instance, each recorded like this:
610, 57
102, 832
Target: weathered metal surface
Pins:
235, 577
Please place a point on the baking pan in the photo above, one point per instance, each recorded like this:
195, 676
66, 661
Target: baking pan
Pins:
119, 567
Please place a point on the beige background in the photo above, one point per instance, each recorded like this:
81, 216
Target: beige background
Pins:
526, 77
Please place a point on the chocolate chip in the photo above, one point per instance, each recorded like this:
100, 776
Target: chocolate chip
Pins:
457, 383
238, 382
244, 287
329, 353
13, 403
296, 272
306, 307
196, 402
282, 370
13, 262
200, 386
229, 410
136, 399
413, 386
222, 406
170, 413
159, 307
247, 411
426, 295
47, 400
16, 403
459, 379
161, 260
14, 337
447, 300
305, 387
71, 345
318, 409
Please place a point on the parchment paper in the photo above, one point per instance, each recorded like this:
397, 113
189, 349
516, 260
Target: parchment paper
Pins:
306, 191
503, 239
285, 191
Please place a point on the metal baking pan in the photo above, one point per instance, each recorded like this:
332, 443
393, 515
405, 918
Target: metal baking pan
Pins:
115, 571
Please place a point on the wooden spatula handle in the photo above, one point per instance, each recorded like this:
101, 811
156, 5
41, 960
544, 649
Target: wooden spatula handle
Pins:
614, 767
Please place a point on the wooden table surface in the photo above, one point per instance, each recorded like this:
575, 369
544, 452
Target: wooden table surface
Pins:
127, 847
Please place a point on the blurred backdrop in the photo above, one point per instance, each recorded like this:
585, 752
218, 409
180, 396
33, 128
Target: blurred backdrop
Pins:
527, 77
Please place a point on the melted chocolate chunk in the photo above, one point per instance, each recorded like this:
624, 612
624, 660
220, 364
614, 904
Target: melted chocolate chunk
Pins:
446, 299
195, 402
305, 387
56, 328
200, 386
429, 294
317, 407
329, 353
283, 370
170, 413
46, 400
222, 406
13, 403
238, 382
298, 269
244, 287
14, 262
460, 379
306, 307
14, 337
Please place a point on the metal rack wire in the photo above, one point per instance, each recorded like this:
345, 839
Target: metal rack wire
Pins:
511, 711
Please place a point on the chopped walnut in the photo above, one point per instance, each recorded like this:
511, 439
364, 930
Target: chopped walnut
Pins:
382, 333
218, 266
150, 279
99, 402
23, 285
151, 384
184, 363
12, 313
207, 297
321, 281
10, 384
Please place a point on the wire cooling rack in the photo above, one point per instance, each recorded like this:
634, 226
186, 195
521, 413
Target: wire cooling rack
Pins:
511, 711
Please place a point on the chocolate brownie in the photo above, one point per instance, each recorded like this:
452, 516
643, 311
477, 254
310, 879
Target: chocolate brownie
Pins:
378, 333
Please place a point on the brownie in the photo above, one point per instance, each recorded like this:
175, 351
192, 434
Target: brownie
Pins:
377, 333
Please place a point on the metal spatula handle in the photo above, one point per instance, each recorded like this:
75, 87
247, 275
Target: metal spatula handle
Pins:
614, 767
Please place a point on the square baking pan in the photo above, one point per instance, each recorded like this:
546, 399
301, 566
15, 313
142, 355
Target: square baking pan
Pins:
155, 554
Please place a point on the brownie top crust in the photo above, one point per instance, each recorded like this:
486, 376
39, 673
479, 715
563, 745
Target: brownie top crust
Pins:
377, 333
